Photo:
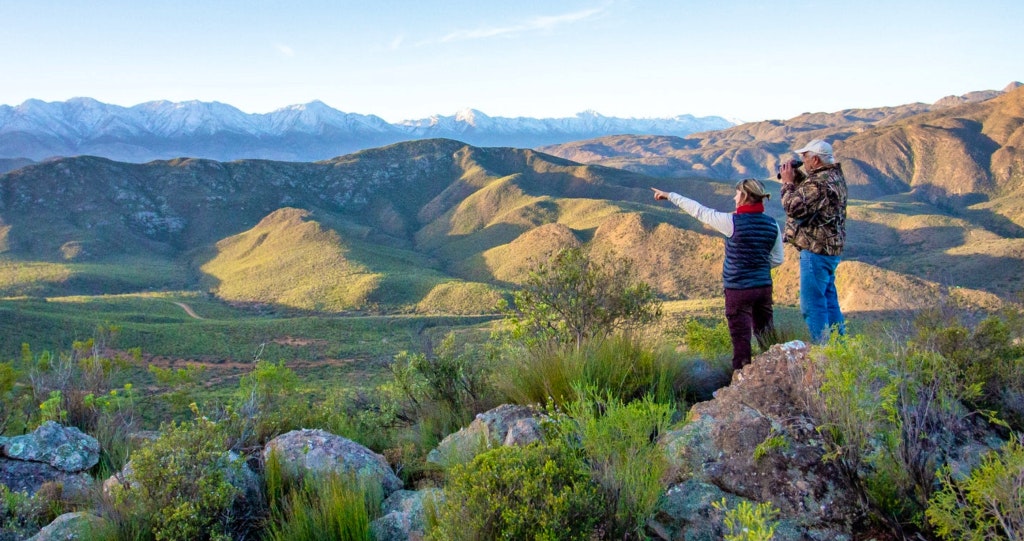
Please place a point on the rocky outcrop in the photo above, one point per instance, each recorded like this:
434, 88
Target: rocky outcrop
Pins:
756, 441
505, 425
320, 451
52, 453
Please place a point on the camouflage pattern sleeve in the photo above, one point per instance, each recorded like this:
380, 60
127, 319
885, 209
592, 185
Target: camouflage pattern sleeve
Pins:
804, 200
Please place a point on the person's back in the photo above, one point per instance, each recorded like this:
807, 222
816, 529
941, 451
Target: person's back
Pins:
816, 211
816, 225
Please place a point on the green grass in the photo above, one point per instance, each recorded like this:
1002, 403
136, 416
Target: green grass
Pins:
116, 275
160, 327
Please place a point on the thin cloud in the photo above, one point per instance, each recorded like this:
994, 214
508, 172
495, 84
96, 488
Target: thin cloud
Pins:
284, 50
396, 43
535, 24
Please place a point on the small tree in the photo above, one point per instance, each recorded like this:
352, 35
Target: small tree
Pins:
572, 298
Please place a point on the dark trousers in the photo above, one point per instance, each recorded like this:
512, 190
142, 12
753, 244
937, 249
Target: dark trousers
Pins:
748, 311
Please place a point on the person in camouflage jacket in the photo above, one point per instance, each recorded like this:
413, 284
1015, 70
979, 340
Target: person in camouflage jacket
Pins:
816, 225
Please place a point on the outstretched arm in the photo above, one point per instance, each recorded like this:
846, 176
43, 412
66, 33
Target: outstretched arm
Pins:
720, 221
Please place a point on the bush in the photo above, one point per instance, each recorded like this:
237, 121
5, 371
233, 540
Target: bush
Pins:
266, 405
539, 491
990, 355
574, 298
63, 383
988, 504
883, 412
180, 486
21, 515
444, 390
747, 522
619, 441
706, 340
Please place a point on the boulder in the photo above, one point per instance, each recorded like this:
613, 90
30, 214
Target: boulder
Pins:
321, 451
507, 424
65, 448
73, 526
403, 515
725, 446
20, 476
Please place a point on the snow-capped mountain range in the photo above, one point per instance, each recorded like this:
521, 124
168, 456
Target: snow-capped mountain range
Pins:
309, 132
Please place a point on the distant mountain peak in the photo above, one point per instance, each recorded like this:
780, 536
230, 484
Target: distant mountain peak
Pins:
312, 131
470, 116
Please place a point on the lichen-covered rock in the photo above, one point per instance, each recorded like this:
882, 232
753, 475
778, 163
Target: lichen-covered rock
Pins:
687, 512
22, 476
65, 448
755, 440
320, 451
73, 526
488, 429
403, 515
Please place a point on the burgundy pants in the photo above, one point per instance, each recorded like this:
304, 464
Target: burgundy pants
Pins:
749, 312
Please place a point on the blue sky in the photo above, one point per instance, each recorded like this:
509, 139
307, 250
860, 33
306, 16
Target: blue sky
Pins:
403, 59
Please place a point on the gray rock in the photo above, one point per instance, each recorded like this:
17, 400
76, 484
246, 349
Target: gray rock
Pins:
717, 448
73, 526
65, 448
22, 476
687, 512
523, 432
488, 430
403, 515
320, 451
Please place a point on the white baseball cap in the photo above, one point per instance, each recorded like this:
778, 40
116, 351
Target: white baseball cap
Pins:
816, 146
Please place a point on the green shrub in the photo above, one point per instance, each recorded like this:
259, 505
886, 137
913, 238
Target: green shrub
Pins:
881, 411
14, 400
619, 441
181, 386
180, 486
267, 403
450, 380
326, 506
61, 382
538, 492
21, 515
81, 389
990, 355
988, 504
748, 522
706, 340
573, 298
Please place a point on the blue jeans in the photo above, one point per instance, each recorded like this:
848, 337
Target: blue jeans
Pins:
819, 302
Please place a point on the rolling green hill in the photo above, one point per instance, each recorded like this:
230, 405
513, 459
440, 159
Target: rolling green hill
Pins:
440, 227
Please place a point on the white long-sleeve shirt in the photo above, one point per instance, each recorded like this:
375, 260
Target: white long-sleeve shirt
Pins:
722, 222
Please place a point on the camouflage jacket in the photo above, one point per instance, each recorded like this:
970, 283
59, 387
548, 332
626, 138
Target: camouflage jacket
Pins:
816, 211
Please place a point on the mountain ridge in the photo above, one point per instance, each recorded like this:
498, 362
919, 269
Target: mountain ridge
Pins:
313, 131
423, 222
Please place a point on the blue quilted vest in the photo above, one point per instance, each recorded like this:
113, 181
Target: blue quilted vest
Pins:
748, 251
